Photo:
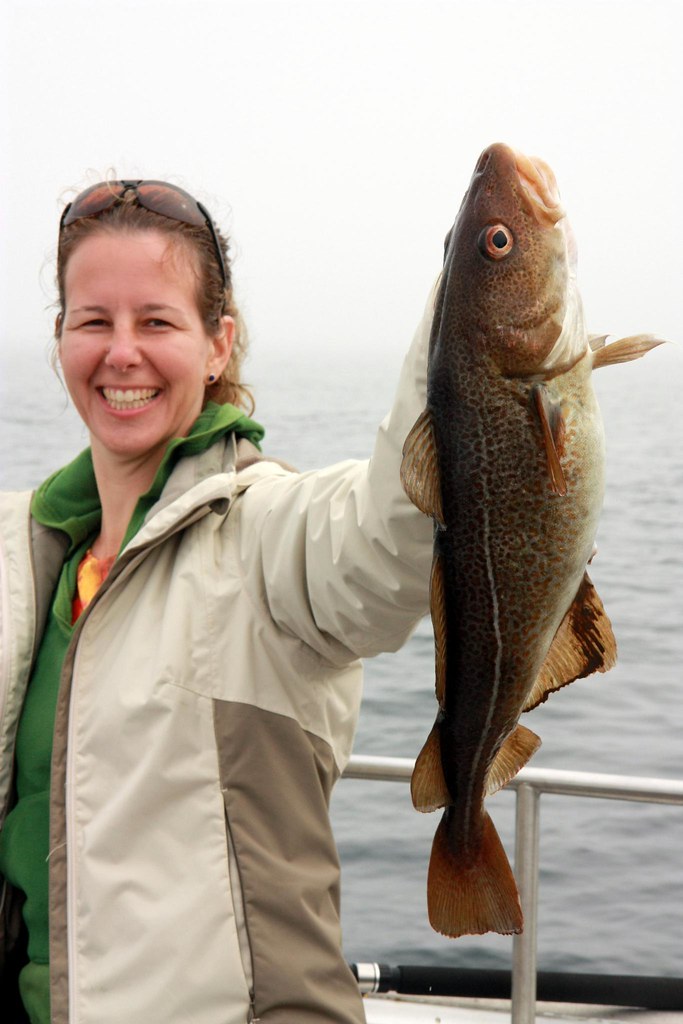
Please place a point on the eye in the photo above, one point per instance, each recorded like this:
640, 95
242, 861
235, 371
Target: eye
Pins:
496, 241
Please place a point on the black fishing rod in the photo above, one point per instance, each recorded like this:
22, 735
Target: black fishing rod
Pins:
551, 986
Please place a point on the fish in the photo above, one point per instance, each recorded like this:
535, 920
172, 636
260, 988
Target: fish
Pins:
508, 460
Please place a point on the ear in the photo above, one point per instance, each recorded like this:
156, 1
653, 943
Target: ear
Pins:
221, 346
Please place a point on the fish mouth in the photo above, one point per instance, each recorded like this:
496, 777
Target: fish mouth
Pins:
539, 185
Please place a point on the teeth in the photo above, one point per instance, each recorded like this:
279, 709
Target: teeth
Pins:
129, 399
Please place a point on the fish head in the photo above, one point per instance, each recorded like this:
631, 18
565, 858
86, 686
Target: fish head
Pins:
509, 280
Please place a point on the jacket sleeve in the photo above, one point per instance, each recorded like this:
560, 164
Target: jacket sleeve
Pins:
340, 556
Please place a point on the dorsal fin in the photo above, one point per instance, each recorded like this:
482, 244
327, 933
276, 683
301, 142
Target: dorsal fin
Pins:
420, 468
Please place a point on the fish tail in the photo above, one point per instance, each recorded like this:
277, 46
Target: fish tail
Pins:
471, 892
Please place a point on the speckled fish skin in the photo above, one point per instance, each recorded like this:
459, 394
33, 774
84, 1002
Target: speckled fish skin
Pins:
513, 551
515, 437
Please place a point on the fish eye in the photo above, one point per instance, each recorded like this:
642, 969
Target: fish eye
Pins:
496, 241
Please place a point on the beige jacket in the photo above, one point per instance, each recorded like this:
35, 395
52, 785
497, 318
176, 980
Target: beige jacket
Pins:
208, 704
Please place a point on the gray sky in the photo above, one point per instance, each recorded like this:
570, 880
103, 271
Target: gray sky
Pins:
335, 141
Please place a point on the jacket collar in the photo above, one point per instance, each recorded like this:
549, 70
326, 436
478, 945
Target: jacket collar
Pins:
69, 501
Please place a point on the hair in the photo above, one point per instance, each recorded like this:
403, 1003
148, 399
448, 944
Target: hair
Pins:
213, 300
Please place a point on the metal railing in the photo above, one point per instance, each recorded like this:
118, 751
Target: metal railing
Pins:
528, 785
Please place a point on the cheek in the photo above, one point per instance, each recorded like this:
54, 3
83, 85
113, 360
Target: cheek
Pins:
197, 359
77, 363
65, 360
184, 372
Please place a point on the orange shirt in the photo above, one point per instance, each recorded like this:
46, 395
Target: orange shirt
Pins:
92, 572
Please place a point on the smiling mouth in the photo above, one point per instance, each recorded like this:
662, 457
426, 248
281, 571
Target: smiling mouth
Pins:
131, 398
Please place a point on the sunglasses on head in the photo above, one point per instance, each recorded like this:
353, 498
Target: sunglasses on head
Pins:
157, 196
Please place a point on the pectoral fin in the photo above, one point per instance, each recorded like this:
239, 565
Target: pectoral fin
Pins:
420, 468
517, 749
624, 350
583, 644
552, 426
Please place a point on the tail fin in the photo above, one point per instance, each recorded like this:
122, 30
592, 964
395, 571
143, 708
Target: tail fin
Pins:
473, 894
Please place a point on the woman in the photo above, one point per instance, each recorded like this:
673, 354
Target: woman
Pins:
181, 626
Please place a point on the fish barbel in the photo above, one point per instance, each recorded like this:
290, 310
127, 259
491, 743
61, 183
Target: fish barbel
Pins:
508, 459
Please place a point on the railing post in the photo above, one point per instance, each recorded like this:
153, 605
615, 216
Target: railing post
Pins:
526, 871
528, 785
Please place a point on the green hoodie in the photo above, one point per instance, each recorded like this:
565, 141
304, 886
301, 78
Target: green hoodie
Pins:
69, 501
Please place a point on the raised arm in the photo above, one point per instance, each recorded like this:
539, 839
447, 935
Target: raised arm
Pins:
340, 555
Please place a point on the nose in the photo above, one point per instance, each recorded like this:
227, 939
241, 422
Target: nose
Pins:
123, 352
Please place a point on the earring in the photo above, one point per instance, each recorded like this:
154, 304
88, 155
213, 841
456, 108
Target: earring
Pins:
212, 378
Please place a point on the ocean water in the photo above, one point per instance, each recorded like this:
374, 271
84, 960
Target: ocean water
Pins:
611, 886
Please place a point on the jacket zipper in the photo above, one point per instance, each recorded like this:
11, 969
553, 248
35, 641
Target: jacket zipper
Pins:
70, 851
243, 936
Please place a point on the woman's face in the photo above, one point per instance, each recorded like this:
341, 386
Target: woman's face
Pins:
133, 348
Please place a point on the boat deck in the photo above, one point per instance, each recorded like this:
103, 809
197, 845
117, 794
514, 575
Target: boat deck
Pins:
390, 1009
